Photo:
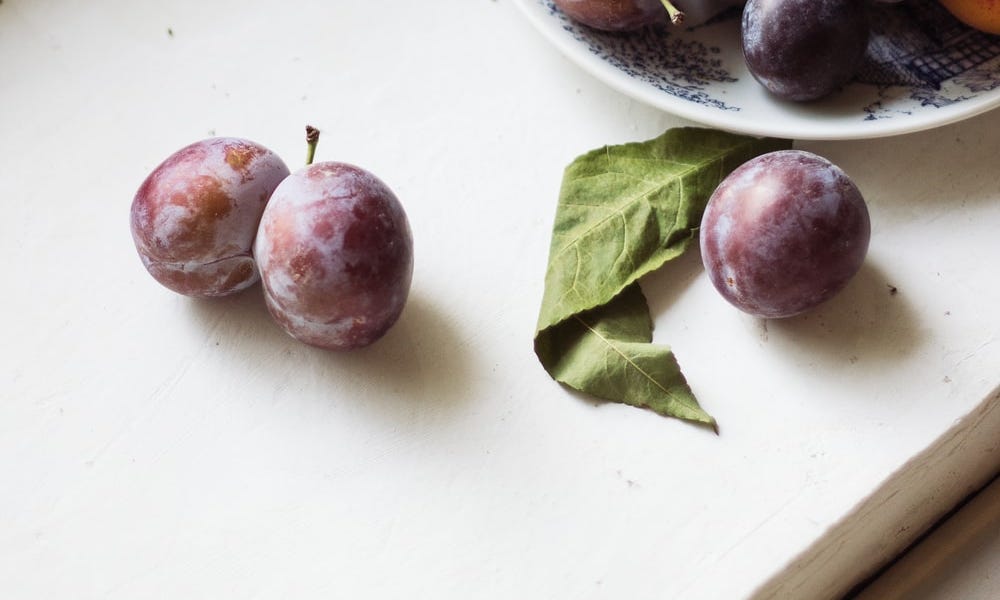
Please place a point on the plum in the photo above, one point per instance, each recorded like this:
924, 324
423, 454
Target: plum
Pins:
195, 216
783, 233
336, 256
615, 15
802, 50
630, 15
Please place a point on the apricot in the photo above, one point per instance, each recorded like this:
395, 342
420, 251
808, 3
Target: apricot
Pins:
983, 15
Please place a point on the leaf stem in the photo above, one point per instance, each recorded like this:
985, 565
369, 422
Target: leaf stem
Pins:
676, 15
312, 139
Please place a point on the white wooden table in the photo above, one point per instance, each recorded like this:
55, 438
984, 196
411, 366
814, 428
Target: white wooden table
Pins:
152, 446
958, 559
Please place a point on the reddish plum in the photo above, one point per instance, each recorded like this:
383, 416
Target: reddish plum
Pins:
614, 15
629, 15
195, 216
336, 256
784, 232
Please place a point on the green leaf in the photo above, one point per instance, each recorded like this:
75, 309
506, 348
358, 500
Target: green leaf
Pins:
623, 212
606, 351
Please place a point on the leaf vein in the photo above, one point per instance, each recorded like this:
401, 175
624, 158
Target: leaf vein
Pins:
672, 396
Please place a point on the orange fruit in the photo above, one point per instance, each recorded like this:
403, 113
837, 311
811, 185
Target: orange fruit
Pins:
981, 14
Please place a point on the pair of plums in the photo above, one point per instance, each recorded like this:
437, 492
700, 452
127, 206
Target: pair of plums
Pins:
330, 243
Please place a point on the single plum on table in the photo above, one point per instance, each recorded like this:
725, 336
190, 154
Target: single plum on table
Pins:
783, 233
195, 216
336, 256
802, 50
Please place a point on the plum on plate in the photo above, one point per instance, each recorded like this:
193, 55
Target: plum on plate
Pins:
802, 50
615, 15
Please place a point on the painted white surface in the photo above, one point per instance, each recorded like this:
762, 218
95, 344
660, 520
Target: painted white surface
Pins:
959, 560
157, 447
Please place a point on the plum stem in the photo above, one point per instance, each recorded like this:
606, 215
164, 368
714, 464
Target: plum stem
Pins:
312, 139
676, 16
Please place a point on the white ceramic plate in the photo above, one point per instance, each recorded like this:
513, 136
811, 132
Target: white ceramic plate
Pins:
923, 70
